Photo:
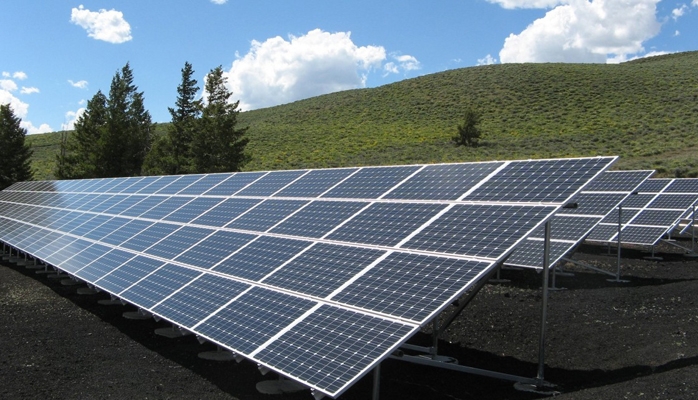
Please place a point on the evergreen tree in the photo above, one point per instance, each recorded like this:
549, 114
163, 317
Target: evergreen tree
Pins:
171, 153
112, 137
128, 133
469, 132
81, 156
218, 145
15, 156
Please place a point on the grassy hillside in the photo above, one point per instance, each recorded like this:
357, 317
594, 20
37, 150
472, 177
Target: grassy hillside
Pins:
645, 111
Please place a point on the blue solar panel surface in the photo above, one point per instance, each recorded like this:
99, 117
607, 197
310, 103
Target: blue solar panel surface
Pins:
654, 212
316, 274
570, 226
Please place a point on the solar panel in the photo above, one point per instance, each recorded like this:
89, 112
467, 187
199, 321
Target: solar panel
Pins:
654, 212
570, 226
316, 274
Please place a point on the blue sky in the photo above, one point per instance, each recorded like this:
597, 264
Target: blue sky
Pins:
56, 54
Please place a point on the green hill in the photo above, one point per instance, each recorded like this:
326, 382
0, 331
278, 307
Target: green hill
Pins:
646, 111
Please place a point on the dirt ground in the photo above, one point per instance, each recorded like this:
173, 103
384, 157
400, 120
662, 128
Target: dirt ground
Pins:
605, 340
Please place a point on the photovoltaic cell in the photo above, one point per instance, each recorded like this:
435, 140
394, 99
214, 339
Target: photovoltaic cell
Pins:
253, 318
178, 242
260, 257
166, 207
224, 212
318, 218
204, 184
311, 346
199, 299
100, 267
266, 214
271, 183
149, 236
386, 224
370, 183
322, 269
315, 182
234, 184
128, 273
443, 182
411, 286
482, 231
545, 181
193, 209
180, 184
214, 249
158, 285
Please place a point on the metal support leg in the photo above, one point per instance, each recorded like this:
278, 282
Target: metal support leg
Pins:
540, 377
376, 381
618, 253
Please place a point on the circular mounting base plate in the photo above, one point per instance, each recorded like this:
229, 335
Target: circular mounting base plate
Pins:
279, 387
217, 355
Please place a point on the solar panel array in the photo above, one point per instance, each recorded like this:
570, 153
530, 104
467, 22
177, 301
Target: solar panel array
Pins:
655, 211
570, 226
315, 274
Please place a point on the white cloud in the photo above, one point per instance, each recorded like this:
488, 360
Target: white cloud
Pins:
109, 26
33, 130
29, 90
585, 31
511, 4
679, 12
19, 75
694, 3
677, 33
79, 84
8, 85
279, 71
5, 74
70, 118
487, 60
219, 1
402, 63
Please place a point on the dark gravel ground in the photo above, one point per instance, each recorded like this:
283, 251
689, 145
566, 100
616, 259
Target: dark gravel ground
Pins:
604, 341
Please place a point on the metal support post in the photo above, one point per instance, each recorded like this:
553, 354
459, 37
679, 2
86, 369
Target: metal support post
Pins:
376, 381
435, 339
618, 253
540, 377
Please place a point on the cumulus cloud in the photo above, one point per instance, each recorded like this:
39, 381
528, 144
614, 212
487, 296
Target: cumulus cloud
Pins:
78, 84
679, 12
29, 90
585, 31
279, 71
487, 60
19, 75
694, 3
109, 26
8, 85
401, 63
219, 1
33, 130
70, 118
511, 4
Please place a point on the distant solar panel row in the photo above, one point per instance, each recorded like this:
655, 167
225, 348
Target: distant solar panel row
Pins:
569, 227
315, 274
655, 211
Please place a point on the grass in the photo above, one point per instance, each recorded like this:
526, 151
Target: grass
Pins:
646, 111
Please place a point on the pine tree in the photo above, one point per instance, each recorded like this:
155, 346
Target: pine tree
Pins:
81, 155
171, 153
113, 137
15, 156
218, 145
469, 133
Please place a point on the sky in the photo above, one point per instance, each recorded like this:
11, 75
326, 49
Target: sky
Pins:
55, 55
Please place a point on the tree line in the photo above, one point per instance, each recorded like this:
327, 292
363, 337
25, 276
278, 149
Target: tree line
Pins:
115, 137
